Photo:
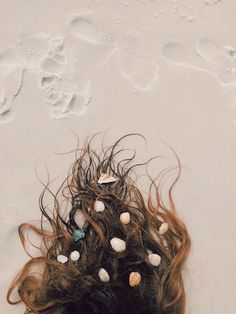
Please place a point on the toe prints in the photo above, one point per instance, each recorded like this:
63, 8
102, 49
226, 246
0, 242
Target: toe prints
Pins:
46, 57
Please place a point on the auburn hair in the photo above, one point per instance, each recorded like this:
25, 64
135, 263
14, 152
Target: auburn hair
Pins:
45, 285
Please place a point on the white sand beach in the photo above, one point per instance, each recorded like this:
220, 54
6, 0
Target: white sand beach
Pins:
162, 68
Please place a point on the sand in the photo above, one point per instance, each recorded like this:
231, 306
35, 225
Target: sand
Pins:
166, 69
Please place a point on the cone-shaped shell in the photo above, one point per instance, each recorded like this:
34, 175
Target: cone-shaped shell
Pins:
62, 259
106, 178
134, 279
163, 228
103, 275
74, 256
118, 245
99, 206
154, 259
125, 218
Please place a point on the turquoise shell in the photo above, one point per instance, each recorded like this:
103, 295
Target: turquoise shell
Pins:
78, 234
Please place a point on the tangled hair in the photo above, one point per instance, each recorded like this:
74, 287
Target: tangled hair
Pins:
46, 285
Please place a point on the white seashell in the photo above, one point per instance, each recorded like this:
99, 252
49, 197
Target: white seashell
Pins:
99, 206
118, 245
74, 256
163, 228
106, 178
134, 279
103, 275
62, 259
125, 218
154, 259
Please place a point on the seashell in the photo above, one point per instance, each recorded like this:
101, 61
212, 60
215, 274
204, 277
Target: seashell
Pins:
163, 228
149, 252
103, 275
154, 259
125, 218
99, 206
134, 279
74, 256
118, 245
78, 234
106, 178
62, 259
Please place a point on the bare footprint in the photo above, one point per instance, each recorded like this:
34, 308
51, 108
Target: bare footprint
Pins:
137, 64
11, 82
84, 27
217, 60
222, 58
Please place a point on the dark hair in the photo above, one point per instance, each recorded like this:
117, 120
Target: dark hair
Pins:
75, 287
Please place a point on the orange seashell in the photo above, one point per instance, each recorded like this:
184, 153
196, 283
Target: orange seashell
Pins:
134, 279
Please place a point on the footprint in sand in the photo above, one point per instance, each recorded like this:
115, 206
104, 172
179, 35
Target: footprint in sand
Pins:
217, 60
137, 64
11, 81
207, 55
84, 27
65, 91
45, 56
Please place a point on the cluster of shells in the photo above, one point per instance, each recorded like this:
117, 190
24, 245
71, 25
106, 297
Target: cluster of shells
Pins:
117, 244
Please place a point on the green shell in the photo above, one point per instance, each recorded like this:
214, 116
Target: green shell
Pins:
78, 234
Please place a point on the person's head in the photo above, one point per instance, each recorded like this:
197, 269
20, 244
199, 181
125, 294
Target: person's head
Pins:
105, 248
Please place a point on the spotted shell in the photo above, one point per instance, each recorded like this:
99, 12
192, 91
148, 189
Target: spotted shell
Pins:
163, 228
106, 178
103, 275
134, 279
117, 244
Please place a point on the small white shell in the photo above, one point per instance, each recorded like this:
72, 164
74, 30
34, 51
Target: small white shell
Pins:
154, 259
134, 279
103, 275
106, 178
74, 256
99, 206
118, 245
163, 228
62, 259
125, 218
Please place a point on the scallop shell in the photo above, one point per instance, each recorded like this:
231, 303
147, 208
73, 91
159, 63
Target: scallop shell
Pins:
154, 259
125, 218
74, 256
163, 228
134, 279
106, 178
99, 206
118, 245
103, 275
62, 259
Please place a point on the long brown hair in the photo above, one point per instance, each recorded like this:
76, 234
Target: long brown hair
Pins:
46, 285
